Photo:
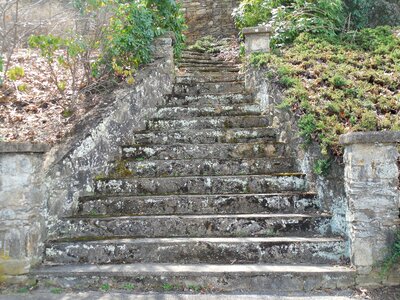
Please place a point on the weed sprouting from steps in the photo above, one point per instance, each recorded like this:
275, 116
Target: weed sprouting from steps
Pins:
56, 291
168, 287
128, 287
195, 288
121, 170
105, 287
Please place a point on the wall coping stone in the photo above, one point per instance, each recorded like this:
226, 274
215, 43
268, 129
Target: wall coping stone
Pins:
371, 137
257, 30
11, 147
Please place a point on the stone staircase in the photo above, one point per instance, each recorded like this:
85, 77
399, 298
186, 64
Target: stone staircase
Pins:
205, 197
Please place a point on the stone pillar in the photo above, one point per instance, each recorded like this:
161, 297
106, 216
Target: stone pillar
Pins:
372, 188
257, 39
21, 208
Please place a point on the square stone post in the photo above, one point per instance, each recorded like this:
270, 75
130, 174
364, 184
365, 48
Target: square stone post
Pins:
372, 188
21, 208
257, 40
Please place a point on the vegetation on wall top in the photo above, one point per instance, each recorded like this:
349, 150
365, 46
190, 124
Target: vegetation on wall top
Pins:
337, 77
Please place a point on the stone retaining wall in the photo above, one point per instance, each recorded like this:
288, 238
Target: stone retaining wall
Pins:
209, 17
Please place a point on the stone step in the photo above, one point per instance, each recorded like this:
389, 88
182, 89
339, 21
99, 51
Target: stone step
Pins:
212, 167
178, 112
246, 250
201, 123
238, 184
237, 225
206, 136
197, 88
208, 151
214, 278
204, 61
209, 100
193, 68
198, 204
199, 77
198, 54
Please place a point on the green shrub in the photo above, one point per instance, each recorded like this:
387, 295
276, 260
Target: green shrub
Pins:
368, 13
289, 18
121, 45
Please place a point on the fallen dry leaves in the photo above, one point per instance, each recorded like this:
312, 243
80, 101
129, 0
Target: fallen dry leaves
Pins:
31, 108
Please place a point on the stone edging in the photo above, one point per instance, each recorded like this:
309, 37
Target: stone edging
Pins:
372, 137
10, 147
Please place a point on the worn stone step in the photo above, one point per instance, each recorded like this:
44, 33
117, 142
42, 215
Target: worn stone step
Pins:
198, 204
237, 225
209, 100
192, 68
197, 88
214, 278
204, 61
199, 77
202, 185
199, 151
201, 123
213, 167
282, 250
178, 112
206, 136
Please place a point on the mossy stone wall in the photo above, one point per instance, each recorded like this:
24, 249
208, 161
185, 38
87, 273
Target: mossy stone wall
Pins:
209, 17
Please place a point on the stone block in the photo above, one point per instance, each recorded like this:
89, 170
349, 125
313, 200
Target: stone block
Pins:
257, 39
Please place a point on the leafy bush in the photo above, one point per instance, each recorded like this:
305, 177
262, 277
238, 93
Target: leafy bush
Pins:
61, 52
119, 47
341, 85
289, 18
368, 13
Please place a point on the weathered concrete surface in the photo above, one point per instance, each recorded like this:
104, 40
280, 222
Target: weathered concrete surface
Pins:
208, 100
202, 185
208, 123
21, 206
186, 112
372, 187
206, 136
208, 17
199, 204
207, 151
214, 167
199, 251
261, 225
215, 278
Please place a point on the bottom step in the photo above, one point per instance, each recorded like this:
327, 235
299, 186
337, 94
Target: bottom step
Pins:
215, 278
